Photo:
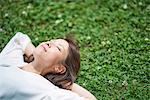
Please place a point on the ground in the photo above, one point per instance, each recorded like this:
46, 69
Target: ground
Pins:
113, 36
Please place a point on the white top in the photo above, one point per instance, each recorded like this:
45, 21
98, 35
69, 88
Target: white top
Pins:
17, 84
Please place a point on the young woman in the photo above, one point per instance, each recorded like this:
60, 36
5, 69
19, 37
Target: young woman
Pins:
50, 76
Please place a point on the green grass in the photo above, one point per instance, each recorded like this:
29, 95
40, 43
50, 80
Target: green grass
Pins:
113, 35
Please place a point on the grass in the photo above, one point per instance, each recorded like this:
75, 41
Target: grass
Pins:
113, 35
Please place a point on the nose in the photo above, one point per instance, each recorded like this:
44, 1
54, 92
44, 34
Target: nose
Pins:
50, 43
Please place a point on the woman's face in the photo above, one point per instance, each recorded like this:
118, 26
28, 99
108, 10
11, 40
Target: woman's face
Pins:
50, 53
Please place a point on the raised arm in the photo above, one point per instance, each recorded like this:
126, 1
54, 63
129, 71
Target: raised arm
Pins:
13, 52
82, 92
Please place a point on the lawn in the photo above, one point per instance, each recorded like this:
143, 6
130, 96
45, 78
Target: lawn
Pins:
113, 35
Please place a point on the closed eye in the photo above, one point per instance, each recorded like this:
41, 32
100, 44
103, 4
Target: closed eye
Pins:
58, 48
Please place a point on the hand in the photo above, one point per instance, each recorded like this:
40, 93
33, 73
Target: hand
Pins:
28, 59
29, 50
28, 55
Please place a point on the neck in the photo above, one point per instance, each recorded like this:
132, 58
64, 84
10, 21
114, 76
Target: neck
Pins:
30, 68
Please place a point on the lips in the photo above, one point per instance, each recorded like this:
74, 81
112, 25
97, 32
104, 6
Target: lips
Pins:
45, 47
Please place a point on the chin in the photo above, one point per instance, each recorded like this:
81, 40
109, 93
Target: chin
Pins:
37, 54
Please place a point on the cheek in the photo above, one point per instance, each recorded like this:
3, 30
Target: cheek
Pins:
53, 57
39, 55
38, 50
48, 58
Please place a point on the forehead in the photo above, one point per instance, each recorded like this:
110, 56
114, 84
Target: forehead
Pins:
64, 44
61, 42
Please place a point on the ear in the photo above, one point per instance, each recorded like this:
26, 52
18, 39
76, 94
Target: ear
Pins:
60, 69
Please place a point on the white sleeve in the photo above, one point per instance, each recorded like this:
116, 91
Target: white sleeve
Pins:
13, 52
62, 94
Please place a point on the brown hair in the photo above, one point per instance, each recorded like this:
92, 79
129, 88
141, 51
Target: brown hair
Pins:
72, 64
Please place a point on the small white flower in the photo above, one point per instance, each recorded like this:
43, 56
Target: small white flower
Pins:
36, 38
140, 3
98, 67
6, 15
148, 8
134, 81
109, 50
29, 6
124, 83
24, 12
58, 21
1, 30
108, 42
88, 37
70, 24
146, 39
125, 6
103, 43
116, 33
84, 84
110, 81
21, 23
60, 15
48, 8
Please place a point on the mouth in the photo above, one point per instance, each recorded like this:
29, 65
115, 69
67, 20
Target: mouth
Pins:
45, 47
